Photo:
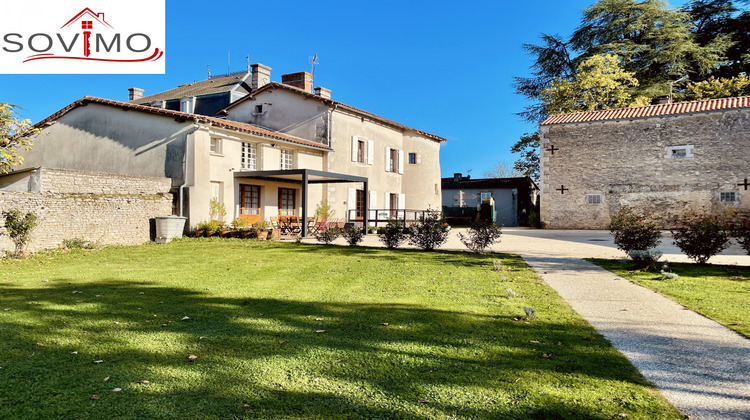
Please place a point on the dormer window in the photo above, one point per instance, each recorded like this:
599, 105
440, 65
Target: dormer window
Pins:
187, 105
260, 109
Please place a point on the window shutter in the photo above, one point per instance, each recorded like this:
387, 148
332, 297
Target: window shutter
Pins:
402, 201
351, 199
370, 152
355, 140
401, 161
387, 201
373, 204
419, 158
387, 159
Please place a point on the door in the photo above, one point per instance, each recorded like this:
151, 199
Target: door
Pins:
287, 203
250, 203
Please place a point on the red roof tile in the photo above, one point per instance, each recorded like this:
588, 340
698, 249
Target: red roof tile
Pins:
274, 85
650, 111
233, 125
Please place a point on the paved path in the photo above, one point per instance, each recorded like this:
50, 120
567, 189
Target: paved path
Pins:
700, 366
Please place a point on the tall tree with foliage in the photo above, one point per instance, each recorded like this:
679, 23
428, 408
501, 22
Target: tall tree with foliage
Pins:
600, 83
656, 44
528, 163
15, 136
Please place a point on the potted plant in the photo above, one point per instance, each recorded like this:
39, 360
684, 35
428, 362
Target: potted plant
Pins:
262, 227
238, 225
323, 213
212, 227
200, 231
248, 232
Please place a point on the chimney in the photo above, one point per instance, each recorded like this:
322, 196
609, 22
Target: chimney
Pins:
261, 76
301, 80
135, 93
323, 92
457, 177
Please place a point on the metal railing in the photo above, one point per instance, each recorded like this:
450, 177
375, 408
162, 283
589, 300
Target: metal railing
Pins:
377, 217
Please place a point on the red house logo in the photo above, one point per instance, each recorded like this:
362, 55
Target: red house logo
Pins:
87, 26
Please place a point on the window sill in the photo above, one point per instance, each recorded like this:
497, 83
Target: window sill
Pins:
217, 154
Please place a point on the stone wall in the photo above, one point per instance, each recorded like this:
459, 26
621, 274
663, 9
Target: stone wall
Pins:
630, 163
104, 208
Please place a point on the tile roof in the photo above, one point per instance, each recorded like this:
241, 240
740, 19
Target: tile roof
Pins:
518, 182
275, 85
218, 122
650, 111
217, 84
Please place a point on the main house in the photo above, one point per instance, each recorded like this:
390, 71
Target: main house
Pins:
662, 160
274, 149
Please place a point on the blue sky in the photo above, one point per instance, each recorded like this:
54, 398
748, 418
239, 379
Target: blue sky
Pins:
441, 67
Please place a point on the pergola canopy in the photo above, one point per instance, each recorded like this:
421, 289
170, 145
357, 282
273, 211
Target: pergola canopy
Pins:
306, 177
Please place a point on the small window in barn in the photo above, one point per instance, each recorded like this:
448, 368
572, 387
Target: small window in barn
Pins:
679, 152
261, 109
593, 199
215, 146
727, 196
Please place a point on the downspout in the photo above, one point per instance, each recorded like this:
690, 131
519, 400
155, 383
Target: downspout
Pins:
185, 168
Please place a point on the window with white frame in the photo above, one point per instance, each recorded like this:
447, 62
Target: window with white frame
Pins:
679, 152
728, 196
287, 159
216, 146
593, 199
484, 195
249, 156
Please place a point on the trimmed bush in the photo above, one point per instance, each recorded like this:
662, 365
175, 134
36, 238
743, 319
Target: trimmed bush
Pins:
481, 235
430, 233
19, 226
701, 236
392, 235
353, 235
328, 235
634, 232
741, 233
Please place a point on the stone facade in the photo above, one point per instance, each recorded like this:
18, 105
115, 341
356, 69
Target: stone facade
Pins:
104, 208
663, 165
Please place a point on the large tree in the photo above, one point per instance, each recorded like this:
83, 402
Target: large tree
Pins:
528, 163
655, 43
15, 136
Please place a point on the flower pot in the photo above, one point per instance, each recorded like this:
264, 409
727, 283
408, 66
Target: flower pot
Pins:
246, 234
225, 233
210, 233
263, 235
199, 233
168, 228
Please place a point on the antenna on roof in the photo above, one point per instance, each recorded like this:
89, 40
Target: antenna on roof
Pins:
671, 84
313, 61
228, 61
209, 70
247, 60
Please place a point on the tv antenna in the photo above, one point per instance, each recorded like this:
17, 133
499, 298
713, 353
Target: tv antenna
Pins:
247, 61
228, 61
313, 61
209, 70
671, 84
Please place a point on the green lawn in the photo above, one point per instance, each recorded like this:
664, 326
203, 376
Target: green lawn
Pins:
284, 330
719, 292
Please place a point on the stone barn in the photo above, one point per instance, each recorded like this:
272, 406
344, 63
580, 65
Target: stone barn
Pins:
662, 159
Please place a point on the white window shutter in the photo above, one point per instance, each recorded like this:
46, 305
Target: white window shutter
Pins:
387, 202
355, 141
373, 204
370, 152
351, 199
402, 201
419, 158
387, 159
401, 161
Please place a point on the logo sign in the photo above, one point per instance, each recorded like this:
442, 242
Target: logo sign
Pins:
88, 37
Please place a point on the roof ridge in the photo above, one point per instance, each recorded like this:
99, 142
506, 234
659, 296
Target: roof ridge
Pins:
234, 125
702, 105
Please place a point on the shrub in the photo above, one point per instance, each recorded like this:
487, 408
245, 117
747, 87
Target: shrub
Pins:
430, 233
327, 235
77, 243
534, 220
634, 232
481, 235
218, 210
701, 236
741, 233
353, 235
644, 258
392, 235
19, 226
240, 223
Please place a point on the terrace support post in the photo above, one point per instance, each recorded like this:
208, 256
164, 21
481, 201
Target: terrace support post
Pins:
365, 222
304, 204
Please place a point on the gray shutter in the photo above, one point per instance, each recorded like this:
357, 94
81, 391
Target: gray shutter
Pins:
401, 161
370, 152
402, 201
387, 159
